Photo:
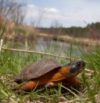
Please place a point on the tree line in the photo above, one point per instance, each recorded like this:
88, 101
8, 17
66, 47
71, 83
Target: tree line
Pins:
90, 31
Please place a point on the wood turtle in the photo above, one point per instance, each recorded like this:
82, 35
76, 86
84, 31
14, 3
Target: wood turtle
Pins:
48, 73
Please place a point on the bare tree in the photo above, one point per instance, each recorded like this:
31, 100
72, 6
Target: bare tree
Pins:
17, 14
40, 17
12, 11
56, 28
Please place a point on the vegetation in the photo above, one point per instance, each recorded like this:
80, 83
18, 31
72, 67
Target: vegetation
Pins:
11, 64
90, 31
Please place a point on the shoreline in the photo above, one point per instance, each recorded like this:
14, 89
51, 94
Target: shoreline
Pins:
69, 39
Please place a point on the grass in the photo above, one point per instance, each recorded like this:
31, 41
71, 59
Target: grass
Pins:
11, 64
93, 84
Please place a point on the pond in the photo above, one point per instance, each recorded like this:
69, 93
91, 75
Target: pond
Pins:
48, 46
57, 47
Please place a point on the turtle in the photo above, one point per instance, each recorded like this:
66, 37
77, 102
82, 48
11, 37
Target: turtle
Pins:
48, 73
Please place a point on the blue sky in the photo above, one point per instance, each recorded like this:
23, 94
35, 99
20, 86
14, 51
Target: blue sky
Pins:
63, 12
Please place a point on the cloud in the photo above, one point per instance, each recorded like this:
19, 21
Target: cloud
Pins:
51, 10
74, 13
51, 13
33, 11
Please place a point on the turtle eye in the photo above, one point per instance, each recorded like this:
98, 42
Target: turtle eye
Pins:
80, 64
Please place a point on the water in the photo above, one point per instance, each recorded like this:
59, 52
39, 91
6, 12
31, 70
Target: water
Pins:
48, 46
57, 47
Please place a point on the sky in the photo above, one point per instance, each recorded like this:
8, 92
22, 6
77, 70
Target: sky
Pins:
61, 12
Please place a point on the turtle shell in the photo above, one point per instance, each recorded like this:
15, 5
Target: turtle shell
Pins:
37, 69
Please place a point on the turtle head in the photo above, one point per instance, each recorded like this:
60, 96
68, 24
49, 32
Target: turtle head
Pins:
76, 67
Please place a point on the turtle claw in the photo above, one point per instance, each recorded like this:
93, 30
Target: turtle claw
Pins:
51, 84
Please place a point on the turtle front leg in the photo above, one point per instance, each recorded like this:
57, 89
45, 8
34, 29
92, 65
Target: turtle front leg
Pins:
50, 84
74, 82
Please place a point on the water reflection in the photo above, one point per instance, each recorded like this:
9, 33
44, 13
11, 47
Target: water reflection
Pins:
48, 46
57, 47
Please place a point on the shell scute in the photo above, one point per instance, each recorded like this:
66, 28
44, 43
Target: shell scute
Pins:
38, 69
